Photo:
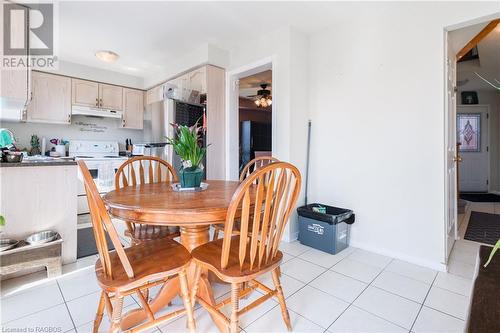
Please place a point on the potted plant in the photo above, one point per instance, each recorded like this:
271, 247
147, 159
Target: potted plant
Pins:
186, 144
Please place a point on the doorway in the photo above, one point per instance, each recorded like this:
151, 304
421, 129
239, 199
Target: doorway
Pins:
255, 134
255, 117
472, 129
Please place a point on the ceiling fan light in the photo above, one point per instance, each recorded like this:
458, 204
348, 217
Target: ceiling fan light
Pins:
257, 102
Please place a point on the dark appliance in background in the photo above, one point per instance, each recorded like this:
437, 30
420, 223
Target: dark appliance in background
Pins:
254, 136
157, 119
188, 114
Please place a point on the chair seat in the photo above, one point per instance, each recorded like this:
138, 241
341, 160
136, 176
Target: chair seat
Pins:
153, 260
209, 255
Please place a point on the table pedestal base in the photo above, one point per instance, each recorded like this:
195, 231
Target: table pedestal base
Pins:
191, 237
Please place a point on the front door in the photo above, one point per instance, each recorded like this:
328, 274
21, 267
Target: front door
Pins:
451, 155
472, 134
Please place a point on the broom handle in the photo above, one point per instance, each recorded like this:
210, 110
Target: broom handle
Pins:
307, 157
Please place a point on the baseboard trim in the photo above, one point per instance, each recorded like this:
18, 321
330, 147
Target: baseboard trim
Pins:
291, 237
413, 260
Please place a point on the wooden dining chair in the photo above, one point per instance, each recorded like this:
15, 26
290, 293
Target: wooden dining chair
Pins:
134, 270
144, 170
262, 203
255, 164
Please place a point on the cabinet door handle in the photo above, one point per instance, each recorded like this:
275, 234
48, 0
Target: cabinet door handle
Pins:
100, 102
97, 102
69, 118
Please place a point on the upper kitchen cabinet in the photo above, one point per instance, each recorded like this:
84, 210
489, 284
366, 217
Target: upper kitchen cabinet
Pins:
93, 94
85, 93
154, 94
110, 97
196, 79
14, 84
133, 108
51, 99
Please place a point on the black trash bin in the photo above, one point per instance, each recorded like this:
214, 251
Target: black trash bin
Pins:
328, 231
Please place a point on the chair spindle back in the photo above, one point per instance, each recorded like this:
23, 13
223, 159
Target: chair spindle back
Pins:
256, 164
144, 170
101, 224
262, 203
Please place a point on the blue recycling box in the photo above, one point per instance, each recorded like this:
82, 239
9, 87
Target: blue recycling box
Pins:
325, 228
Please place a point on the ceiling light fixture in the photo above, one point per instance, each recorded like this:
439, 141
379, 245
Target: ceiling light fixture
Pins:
107, 56
263, 97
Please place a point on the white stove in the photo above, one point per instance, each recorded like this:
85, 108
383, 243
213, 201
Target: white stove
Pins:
95, 154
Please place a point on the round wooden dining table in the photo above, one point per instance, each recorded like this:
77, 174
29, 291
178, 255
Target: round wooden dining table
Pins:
194, 212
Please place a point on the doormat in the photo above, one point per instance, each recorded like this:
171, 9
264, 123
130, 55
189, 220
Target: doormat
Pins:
483, 228
480, 197
86, 243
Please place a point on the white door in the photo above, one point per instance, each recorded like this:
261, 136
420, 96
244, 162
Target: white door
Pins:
472, 134
451, 155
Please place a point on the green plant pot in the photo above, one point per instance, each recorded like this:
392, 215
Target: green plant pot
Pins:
190, 177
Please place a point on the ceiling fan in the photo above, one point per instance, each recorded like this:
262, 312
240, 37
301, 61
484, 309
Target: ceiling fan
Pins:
263, 99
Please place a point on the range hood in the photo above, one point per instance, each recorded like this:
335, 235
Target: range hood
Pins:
95, 112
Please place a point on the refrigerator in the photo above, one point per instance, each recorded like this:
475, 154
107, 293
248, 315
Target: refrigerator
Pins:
157, 119
254, 137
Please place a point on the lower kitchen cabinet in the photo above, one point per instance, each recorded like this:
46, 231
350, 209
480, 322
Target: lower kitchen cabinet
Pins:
133, 108
37, 198
50, 100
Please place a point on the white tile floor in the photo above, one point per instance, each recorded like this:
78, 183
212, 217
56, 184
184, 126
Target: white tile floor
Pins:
354, 291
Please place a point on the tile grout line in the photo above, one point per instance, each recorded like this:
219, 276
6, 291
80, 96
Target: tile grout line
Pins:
66, 305
422, 305
277, 304
361, 293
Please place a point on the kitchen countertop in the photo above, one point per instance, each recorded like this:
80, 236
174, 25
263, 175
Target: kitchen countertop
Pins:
34, 163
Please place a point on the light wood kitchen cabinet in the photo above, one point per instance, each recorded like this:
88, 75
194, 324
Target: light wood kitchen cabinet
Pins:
133, 108
51, 99
154, 94
110, 97
85, 93
196, 80
93, 94
14, 84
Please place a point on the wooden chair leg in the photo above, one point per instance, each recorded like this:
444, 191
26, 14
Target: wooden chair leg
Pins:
281, 299
187, 301
117, 314
235, 294
99, 314
196, 283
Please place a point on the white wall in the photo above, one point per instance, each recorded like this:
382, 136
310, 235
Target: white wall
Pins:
205, 54
377, 105
288, 50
